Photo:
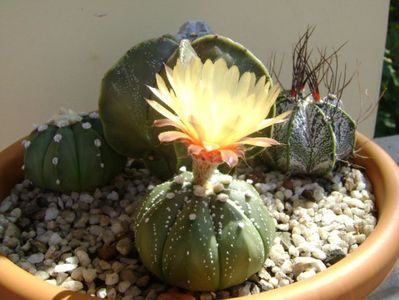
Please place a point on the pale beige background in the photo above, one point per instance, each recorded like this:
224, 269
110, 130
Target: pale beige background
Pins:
54, 53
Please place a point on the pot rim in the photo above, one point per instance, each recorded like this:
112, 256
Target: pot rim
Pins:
353, 277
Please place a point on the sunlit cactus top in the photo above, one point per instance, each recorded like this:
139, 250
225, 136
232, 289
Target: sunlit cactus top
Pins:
214, 108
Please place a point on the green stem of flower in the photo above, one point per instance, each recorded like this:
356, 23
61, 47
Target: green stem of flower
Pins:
202, 170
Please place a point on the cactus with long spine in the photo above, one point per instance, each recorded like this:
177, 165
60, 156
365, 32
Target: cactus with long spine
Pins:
319, 132
126, 116
70, 154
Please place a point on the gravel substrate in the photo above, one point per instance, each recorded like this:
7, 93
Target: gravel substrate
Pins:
84, 242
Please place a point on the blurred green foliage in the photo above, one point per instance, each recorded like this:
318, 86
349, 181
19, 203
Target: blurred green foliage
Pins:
388, 109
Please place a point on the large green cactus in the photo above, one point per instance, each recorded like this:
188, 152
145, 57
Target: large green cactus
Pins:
70, 154
319, 132
126, 115
200, 241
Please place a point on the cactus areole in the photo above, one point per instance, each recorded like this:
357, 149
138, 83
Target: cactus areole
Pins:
204, 230
70, 154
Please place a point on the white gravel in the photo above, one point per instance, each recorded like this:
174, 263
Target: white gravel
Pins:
84, 242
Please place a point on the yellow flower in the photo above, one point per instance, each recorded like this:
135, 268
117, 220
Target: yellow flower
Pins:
214, 109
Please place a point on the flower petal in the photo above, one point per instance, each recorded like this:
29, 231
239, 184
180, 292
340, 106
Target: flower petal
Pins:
168, 122
165, 98
194, 149
229, 157
170, 136
162, 110
169, 75
259, 141
270, 121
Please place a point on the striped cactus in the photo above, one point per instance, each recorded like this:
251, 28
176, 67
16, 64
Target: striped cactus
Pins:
203, 240
70, 154
319, 132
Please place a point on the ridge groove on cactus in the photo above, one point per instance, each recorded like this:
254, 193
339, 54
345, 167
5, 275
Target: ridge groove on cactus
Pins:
319, 132
204, 230
70, 154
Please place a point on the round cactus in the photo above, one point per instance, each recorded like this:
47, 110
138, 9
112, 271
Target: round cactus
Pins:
70, 154
203, 240
126, 115
319, 132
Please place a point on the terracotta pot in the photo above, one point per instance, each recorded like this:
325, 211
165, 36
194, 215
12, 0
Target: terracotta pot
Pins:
354, 277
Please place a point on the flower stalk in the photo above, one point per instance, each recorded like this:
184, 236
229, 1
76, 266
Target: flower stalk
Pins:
202, 170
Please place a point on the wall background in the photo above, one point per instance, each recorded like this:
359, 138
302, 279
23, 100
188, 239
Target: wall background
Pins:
54, 53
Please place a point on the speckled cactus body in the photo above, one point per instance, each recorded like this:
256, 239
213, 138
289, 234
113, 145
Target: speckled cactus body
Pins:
319, 132
127, 117
316, 135
71, 154
203, 242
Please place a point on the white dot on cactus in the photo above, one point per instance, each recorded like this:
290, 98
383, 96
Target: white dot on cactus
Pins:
93, 115
102, 165
23, 167
61, 123
199, 191
42, 127
146, 220
192, 216
188, 253
226, 179
57, 182
170, 195
57, 138
222, 197
241, 224
26, 144
97, 142
179, 179
55, 161
218, 187
183, 169
86, 125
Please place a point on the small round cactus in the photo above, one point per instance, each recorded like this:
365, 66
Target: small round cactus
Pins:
319, 132
200, 239
127, 117
70, 154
